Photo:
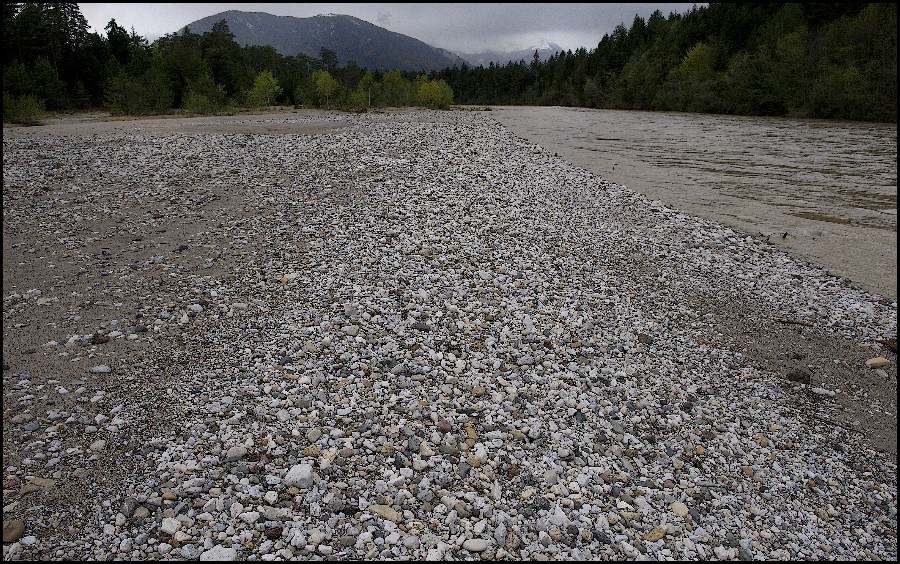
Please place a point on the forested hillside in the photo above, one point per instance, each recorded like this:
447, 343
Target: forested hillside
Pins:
834, 61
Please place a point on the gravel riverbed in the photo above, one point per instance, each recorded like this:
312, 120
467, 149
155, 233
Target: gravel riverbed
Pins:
414, 335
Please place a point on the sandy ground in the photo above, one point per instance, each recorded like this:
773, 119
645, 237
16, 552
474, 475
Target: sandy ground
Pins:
92, 299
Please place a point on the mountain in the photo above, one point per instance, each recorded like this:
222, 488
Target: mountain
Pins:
545, 51
353, 39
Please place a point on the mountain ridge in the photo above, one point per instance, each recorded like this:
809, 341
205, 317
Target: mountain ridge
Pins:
350, 38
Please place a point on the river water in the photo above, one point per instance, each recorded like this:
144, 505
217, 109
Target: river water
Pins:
825, 191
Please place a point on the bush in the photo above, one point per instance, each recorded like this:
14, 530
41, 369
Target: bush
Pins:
25, 110
197, 103
435, 94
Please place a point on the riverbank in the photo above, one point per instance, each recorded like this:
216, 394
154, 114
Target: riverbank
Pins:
823, 191
414, 334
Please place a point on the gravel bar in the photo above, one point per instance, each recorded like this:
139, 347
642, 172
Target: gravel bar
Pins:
414, 335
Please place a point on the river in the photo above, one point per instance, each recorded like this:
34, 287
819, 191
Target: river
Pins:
825, 191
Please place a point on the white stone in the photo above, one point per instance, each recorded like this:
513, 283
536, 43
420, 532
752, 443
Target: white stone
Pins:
476, 545
301, 476
170, 525
219, 553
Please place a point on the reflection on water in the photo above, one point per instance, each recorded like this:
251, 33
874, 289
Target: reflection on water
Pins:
825, 183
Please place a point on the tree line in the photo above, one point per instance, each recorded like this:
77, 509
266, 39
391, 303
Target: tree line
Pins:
835, 61
52, 62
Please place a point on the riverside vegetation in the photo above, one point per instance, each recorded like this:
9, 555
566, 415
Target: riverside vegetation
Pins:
835, 61
52, 63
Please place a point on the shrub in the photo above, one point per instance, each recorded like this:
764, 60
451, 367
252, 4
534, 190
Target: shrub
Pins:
435, 94
25, 110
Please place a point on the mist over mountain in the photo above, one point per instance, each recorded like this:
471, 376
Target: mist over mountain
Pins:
545, 50
352, 39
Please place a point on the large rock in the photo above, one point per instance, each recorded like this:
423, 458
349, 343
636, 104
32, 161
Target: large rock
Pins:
302, 476
236, 453
13, 530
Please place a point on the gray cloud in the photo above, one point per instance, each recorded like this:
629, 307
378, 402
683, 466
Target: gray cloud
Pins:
463, 28
383, 19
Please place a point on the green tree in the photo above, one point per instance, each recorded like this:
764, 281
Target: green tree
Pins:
435, 94
26, 110
203, 95
48, 86
265, 90
223, 58
149, 93
396, 89
365, 89
329, 59
325, 87
117, 39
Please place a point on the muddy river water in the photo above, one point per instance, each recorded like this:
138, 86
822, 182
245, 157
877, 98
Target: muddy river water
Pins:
824, 191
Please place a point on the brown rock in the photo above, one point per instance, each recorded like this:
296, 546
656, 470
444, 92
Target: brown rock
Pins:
99, 339
877, 362
386, 512
645, 339
29, 488
655, 534
13, 530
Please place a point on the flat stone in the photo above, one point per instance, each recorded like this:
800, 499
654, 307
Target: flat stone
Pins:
476, 545
169, 525
13, 530
679, 508
219, 553
141, 512
655, 534
386, 512
878, 362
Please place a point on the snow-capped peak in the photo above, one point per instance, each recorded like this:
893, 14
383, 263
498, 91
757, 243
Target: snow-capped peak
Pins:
542, 46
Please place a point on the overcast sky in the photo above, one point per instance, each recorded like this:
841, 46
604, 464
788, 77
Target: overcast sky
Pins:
461, 28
